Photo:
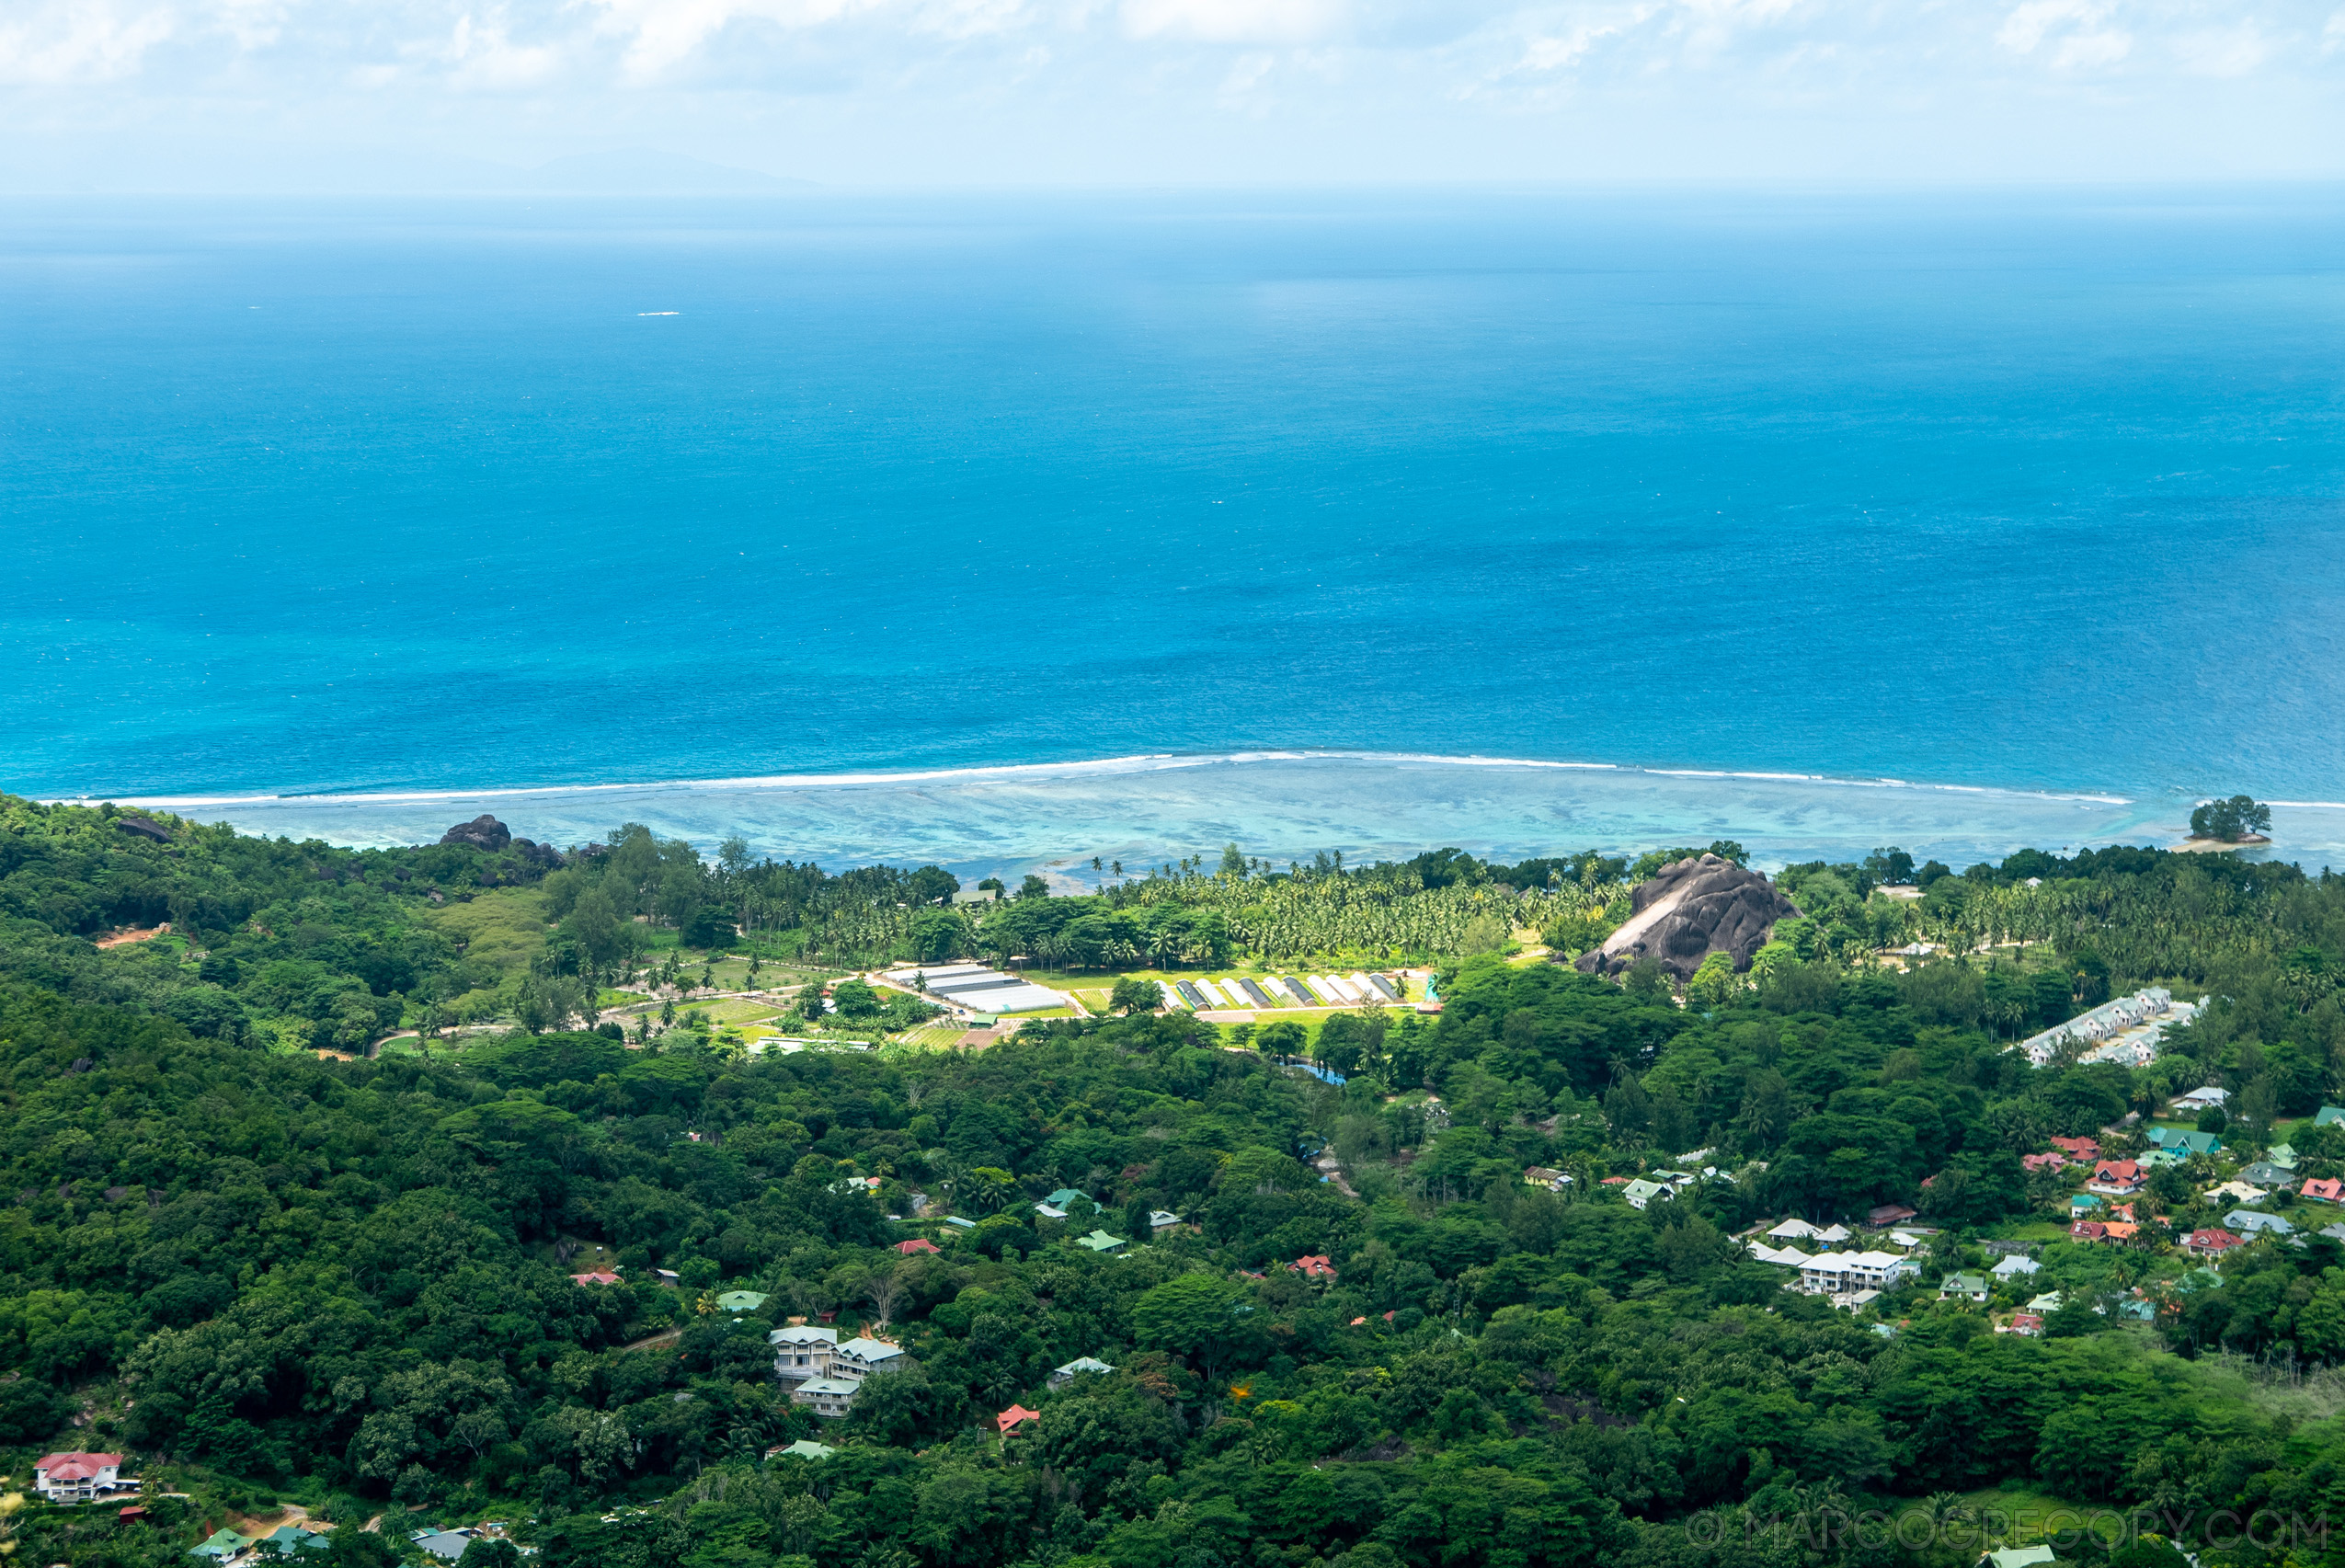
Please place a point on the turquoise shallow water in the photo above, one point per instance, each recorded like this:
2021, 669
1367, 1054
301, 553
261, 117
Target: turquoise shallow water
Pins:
2031, 494
1145, 811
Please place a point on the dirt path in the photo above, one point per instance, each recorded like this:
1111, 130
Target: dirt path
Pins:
671, 1337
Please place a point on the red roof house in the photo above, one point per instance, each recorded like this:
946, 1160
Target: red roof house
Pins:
2330, 1191
1315, 1266
2211, 1244
917, 1244
597, 1276
2082, 1148
2029, 1323
1017, 1414
74, 1477
2089, 1231
2117, 1176
2051, 1162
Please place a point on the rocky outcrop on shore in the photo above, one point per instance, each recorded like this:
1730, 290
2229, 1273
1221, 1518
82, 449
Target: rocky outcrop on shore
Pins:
483, 832
486, 832
1691, 908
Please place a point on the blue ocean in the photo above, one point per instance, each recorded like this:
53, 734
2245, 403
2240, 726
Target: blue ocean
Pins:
1017, 530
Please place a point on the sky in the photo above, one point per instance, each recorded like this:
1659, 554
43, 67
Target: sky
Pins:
356, 96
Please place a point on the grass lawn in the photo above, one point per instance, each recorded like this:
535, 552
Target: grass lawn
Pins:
932, 1035
2006, 1516
2028, 1516
734, 1011
592, 1257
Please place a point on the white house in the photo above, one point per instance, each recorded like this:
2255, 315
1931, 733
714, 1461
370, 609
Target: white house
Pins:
77, 1477
859, 1359
1840, 1273
1640, 1192
828, 1398
2151, 1005
1793, 1230
1789, 1257
801, 1353
2016, 1264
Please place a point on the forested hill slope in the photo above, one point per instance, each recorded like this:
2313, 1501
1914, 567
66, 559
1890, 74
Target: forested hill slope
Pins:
1367, 1340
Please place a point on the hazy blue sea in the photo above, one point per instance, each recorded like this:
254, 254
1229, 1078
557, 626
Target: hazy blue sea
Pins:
2034, 494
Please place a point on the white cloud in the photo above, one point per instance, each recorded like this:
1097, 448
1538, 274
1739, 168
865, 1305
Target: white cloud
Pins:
480, 55
1235, 21
1686, 83
2224, 51
662, 33
78, 40
1562, 51
2074, 28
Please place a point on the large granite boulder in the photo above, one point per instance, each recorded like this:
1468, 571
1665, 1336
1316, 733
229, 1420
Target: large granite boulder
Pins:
544, 857
483, 832
1691, 908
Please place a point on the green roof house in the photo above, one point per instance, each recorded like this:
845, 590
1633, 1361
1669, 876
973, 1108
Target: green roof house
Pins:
1077, 1367
1099, 1242
221, 1546
1066, 1195
2282, 1155
742, 1301
1967, 1286
805, 1448
292, 1537
1641, 1192
2330, 1115
2185, 1142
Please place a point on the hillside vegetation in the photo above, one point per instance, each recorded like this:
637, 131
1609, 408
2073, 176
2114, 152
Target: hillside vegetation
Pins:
266, 1275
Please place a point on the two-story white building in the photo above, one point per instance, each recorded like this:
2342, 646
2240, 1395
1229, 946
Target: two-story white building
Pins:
1843, 1274
805, 1356
77, 1477
800, 1352
828, 1397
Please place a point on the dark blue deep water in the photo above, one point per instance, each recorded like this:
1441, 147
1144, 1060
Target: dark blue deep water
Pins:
2032, 491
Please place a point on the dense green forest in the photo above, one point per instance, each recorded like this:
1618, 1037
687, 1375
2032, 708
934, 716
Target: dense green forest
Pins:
272, 1277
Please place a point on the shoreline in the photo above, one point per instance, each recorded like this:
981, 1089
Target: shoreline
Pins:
1054, 818
1141, 763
